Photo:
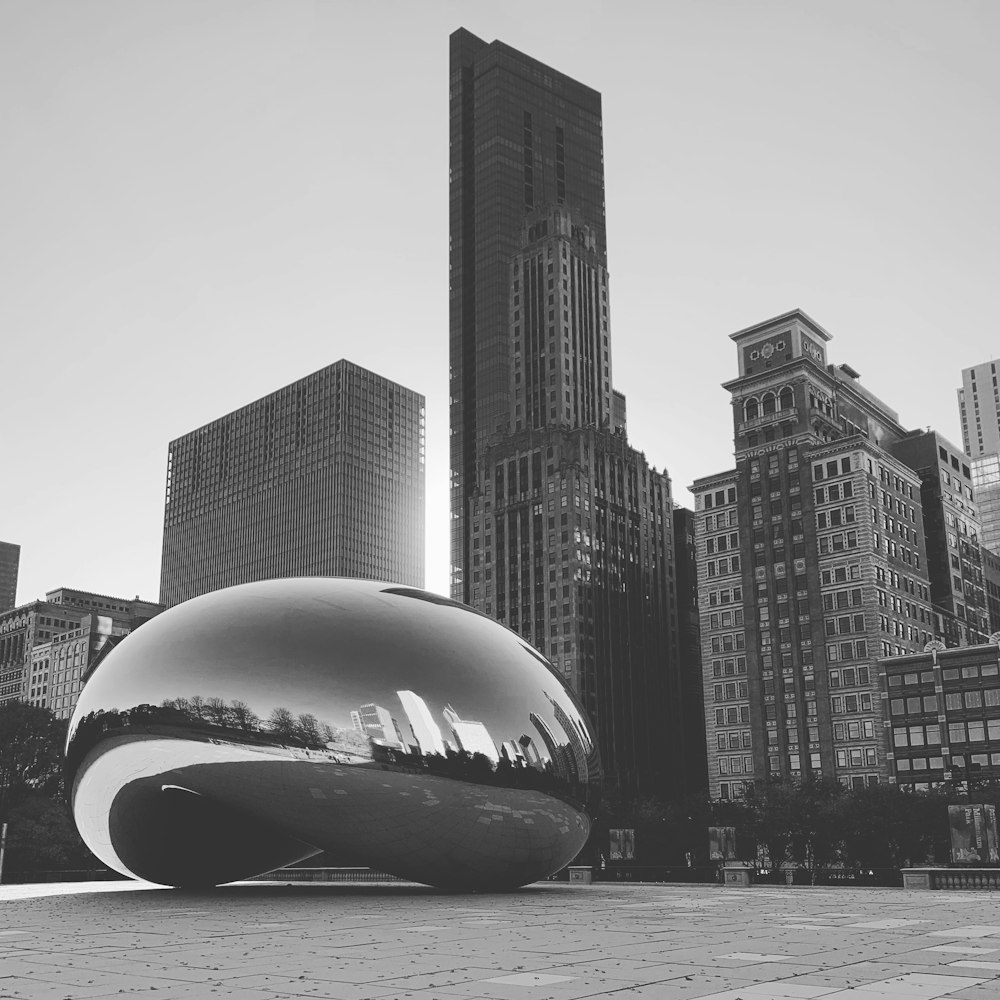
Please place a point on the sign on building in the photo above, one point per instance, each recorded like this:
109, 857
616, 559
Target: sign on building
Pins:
973, 834
622, 845
722, 843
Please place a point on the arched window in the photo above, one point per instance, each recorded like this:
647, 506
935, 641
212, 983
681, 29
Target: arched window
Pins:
785, 398
750, 410
767, 403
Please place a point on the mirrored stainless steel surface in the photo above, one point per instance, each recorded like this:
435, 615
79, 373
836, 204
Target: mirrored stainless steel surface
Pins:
262, 724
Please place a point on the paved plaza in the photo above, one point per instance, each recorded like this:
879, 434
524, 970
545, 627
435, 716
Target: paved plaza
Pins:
262, 941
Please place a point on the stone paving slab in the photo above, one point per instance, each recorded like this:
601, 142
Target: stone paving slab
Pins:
550, 941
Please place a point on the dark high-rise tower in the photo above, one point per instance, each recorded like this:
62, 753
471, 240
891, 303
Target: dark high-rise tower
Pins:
10, 558
560, 529
324, 477
523, 137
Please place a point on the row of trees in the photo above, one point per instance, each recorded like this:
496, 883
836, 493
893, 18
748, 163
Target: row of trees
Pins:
41, 833
814, 823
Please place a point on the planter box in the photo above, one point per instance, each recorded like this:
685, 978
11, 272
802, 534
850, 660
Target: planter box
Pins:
738, 875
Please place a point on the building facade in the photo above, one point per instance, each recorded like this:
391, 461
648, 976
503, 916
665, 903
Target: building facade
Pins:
324, 477
48, 647
812, 564
560, 529
943, 708
952, 530
689, 648
979, 410
10, 558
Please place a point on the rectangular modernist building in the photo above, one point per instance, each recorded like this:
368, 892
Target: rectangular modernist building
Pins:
324, 477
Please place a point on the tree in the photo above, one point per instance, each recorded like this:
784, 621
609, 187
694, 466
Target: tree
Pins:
770, 807
41, 834
307, 729
243, 716
216, 712
281, 723
31, 744
42, 837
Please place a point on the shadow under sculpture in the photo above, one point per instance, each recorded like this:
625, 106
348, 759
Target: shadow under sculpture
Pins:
263, 724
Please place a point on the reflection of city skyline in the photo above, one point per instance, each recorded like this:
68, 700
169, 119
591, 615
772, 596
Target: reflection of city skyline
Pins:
411, 736
550, 757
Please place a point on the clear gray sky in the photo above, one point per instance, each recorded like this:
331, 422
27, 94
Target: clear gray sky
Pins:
203, 200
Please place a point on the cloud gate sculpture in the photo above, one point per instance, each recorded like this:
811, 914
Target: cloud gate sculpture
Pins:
263, 724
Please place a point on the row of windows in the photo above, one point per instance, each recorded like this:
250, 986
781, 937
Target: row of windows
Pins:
918, 763
733, 789
720, 497
736, 765
726, 619
916, 736
733, 716
729, 667
842, 599
850, 703
728, 643
716, 522
730, 691
723, 566
887, 478
794, 763
722, 543
844, 625
832, 468
856, 649
734, 740
849, 677
861, 730
835, 517
857, 757
972, 699
913, 705
726, 595
840, 574
973, 731
838, 542
834, 492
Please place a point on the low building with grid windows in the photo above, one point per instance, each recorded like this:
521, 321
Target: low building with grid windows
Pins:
48, 647
324, 477
942, 707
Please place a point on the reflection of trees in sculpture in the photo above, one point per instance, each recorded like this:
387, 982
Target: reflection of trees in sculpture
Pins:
211, 717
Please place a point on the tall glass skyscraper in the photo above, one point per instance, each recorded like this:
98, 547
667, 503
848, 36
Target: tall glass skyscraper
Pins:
560, 529
979, 408
324, 477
